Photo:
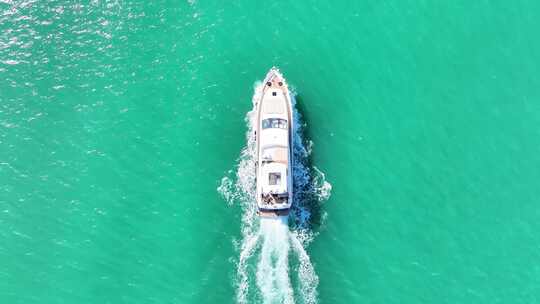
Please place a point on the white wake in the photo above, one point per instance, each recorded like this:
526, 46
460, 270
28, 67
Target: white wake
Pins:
273, 265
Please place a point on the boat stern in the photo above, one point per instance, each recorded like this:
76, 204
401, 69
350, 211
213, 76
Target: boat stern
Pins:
273, 213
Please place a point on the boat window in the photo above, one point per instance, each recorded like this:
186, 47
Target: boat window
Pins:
276, 123
274, 178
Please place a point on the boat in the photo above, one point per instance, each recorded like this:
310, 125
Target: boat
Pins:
274, 141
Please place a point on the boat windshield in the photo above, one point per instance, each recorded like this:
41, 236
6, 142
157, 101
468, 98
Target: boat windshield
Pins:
275, 123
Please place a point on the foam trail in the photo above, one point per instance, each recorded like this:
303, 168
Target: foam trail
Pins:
306, 273
247, 251
273, 267
267, 243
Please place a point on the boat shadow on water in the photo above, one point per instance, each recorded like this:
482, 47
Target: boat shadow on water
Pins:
309, 185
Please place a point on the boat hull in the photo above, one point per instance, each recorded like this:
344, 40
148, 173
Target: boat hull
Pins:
274, 140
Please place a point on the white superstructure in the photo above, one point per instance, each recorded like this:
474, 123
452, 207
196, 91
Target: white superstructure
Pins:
274, 146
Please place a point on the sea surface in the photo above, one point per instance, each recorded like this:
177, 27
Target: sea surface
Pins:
125, 152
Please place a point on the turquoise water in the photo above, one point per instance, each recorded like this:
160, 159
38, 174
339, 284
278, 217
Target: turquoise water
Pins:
120, 119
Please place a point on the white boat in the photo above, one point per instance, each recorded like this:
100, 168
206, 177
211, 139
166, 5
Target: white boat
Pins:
274, 138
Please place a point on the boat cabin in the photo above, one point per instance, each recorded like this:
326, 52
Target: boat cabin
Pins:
274, 175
